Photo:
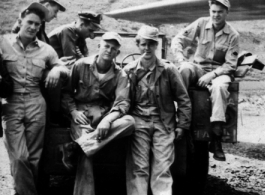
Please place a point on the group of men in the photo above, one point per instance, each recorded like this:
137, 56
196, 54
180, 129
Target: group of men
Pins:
105, 102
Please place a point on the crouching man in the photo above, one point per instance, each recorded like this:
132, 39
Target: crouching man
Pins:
156, 85
24, 112
98, 100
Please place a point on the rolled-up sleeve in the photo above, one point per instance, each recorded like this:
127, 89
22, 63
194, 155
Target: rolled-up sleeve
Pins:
182, 98
122, 100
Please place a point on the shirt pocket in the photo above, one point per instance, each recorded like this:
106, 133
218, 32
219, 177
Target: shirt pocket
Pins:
11, 62
220, 52
38, 67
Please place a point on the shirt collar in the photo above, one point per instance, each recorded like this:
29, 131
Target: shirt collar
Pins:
36, 42
209, 25
151, 68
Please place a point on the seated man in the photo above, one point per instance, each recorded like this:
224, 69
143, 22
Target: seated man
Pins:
70, 39
156, 86
98, 100
214, 63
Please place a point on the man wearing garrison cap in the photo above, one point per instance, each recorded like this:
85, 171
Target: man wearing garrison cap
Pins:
214, 63
69, 40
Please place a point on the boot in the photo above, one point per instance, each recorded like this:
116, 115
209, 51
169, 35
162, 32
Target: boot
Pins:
68, 150
215, 146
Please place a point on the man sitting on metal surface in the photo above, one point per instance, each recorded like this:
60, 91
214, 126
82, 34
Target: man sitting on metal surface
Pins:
54, 7
98, 100
24, 112
70, 39
155, 85
214, 63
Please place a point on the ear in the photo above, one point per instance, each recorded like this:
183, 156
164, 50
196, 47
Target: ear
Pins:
118, 52
98, 45
19, 22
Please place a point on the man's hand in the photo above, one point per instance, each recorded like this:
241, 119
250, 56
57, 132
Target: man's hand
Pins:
53, 77
206, 79
179, 133
79, 117
103, 128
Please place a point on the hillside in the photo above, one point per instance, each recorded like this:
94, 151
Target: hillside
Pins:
252, 32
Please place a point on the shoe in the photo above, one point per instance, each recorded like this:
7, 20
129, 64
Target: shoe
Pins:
215, 146
68, 150
218, 153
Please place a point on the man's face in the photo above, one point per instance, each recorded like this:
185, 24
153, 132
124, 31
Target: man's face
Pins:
87, 30
29, 26
53, 11
108, 50
148, 48
218, 14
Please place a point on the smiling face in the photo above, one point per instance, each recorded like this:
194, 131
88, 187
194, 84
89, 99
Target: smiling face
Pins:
29, 26
218, 14
108, 50
147, 47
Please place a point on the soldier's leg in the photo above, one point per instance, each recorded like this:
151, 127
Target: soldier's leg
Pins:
163, 158
16, 145
190, 73
137, 163
219, 97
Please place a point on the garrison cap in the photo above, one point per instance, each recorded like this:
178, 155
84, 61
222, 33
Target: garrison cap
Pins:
93, 17
37, 6
226, 3
112, 36
61, 7
148, 32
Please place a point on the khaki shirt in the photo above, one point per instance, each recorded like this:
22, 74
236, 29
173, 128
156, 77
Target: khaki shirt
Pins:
216, 52
26, 65
84, 87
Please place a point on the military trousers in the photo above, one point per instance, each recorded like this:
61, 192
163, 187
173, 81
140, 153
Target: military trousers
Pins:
23, 120
218, 89
84, 182
149, 158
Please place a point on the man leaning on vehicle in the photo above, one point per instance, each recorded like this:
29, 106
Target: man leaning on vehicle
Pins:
214, 63
24, 112
97, 100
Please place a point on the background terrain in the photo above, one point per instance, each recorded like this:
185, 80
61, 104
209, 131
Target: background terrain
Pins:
245, 163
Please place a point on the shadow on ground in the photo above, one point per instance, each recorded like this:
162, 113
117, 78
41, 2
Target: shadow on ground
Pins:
245, 149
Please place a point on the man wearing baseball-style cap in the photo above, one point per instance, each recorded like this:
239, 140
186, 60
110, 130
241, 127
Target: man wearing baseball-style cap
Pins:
214, 63
155, 85
97, 99
70, 39
24, 111
53, 7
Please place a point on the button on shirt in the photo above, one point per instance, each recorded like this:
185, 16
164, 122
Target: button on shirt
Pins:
216, 52
26, 65
145, 102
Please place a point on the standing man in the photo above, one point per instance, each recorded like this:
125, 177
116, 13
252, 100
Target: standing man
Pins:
53, 7
24, 112
98, 100
156, 85
70, 39
214, 63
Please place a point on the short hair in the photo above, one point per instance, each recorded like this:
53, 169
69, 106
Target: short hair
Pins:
34, 11
214, 2
138, 39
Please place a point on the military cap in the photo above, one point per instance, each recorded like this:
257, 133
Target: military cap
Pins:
226, 3
112, 36
61, 7
95, 18
37, 6
148, 32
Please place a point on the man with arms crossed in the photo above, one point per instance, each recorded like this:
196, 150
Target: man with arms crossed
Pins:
214, 63
24, 112
156, 86
98, 100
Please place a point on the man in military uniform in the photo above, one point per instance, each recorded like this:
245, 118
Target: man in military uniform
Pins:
214, 63
97, 100
70, 39
24, 112
156, 85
